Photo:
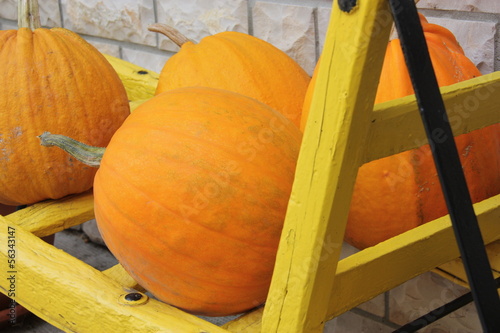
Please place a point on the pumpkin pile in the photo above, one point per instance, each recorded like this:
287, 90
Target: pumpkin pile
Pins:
191, 191
51, 80
397, 193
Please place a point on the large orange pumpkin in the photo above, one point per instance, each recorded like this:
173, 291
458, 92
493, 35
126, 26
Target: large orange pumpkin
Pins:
399, 192
241, 63
191, 195
52, 80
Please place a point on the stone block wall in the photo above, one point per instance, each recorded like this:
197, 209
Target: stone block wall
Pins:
119, 28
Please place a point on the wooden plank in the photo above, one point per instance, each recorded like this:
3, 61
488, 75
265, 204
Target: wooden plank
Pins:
372, 271
51, 216
327, 166
454, 270
120, 275
250, 322
375, 270
77, 298
470, 105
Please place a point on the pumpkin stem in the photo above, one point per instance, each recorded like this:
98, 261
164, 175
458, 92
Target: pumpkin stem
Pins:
170, 32
84, 153
28, 14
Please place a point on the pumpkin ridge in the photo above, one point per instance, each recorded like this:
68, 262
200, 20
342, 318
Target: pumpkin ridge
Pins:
205, 297
26, 55
10, 145
265, 94
65, 60
5, 148
119, 211
69, 60
45, 40
41, 41
420, 183
226, 149
248, 67
247, 168
241, 73
95, 60
208, 279
203, 226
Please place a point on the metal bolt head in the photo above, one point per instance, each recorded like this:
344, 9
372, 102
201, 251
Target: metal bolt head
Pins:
133, 298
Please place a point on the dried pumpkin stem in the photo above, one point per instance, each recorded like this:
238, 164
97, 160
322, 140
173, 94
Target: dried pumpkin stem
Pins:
28, 14
170, 32
89, 155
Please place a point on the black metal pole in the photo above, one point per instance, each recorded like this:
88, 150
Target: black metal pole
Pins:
448, 165
438, 313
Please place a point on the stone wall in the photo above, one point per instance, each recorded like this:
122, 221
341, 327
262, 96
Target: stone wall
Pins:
119, 28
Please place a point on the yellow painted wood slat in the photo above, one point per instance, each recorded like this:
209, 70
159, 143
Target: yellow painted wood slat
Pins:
470, 105
250, 322
372, 271
375, 270
120, 275
51, 216
77, 298
455, 272
327, 166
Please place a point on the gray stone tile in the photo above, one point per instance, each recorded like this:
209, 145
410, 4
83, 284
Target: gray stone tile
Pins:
486, 6
122, 20
288, 27
197, 19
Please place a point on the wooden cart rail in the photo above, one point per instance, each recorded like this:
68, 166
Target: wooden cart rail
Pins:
51, 281
310, 285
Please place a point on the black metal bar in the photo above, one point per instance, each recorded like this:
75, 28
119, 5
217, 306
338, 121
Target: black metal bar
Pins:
447, 161
438, 313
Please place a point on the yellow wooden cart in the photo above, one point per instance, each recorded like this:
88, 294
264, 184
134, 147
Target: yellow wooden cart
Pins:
310, 285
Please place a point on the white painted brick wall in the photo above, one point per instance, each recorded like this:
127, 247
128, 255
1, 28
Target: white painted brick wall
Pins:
119, 28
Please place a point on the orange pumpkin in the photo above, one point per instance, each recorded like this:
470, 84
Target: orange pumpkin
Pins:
397, 193
52, 80
191, 194
240, 63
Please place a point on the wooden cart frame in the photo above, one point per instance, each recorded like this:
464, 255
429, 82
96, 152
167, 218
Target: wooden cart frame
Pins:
310, 284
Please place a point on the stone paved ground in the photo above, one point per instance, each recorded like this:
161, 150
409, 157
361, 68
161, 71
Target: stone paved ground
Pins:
76, 243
